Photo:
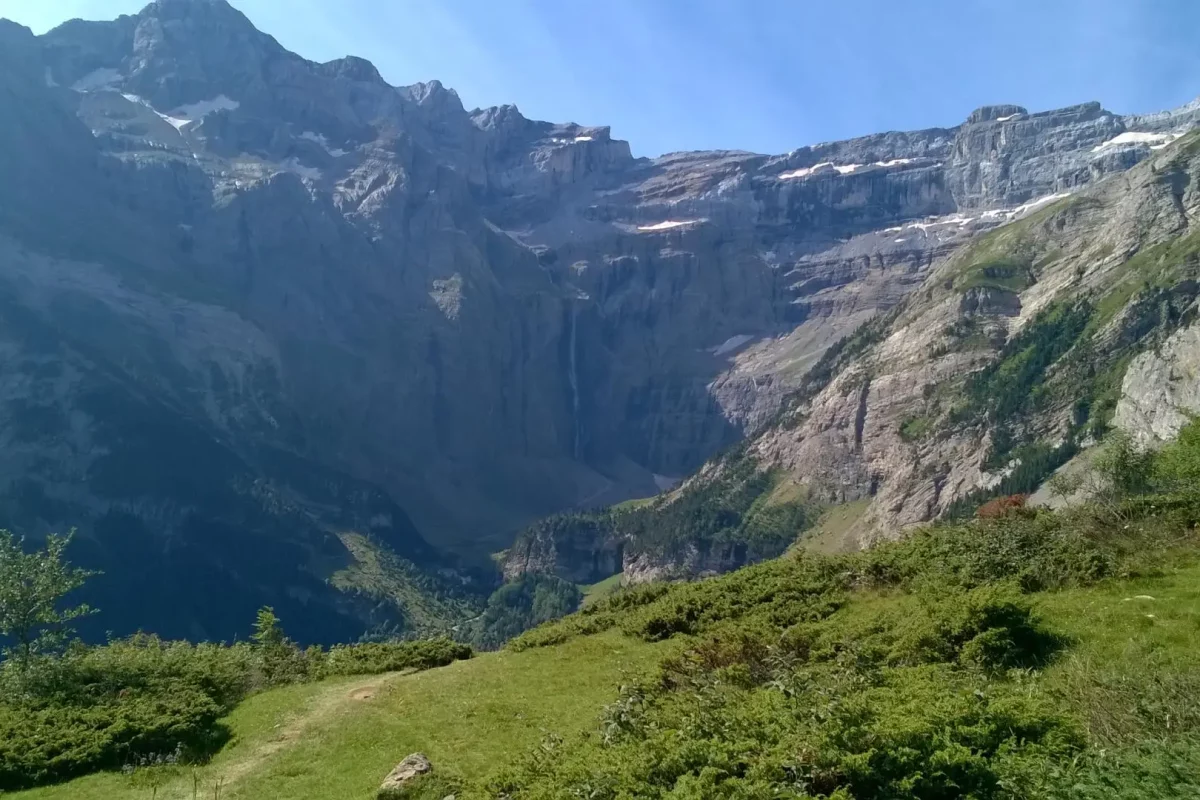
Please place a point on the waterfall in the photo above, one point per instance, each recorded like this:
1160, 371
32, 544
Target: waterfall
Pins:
573, 378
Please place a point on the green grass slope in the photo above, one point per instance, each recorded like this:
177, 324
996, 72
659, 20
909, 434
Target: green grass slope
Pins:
1129, 679
339, 737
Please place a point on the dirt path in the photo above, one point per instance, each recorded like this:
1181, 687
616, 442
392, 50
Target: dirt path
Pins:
219, 780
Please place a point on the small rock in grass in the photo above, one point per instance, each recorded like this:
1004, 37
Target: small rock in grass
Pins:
399, 779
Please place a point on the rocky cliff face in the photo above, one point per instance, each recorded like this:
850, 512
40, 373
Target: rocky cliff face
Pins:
344, 288
581, 548
1161, 391
769, 259
1015, 352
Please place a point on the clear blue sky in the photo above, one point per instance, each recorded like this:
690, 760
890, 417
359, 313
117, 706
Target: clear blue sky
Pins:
764, 75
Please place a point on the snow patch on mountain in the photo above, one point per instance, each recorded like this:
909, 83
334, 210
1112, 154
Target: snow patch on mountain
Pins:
185, 115
97, 79
176, 122
199, 110
1157, 141
667, 225
1037, 203
841, 169
309, 173
336, 152
731, 344
804, 172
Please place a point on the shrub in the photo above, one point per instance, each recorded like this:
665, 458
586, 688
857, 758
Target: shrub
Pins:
279, 660
929, 732
1000, 506
105, 707
991, 627
39, 744
378, 657
1177, 466
135, 700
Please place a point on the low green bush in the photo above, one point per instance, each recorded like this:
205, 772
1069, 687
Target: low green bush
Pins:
378, 657
142, 699
44, 743
105, 707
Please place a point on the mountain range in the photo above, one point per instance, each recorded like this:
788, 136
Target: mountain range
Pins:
278, 332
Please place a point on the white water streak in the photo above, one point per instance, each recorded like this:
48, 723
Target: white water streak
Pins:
573, 378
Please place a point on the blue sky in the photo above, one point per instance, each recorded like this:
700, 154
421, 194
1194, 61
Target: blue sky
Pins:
764, 75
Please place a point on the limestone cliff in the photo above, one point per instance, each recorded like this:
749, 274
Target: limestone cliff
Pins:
1015, 352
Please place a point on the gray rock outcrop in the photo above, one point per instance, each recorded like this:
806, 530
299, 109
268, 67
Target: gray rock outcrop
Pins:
1161, 390
400, 780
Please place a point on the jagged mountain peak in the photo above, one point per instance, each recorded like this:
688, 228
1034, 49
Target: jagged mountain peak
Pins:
171, 53
435, 98
353, 68
431, 92
17, 43
505, 117
14, 31
194, 10
995, 113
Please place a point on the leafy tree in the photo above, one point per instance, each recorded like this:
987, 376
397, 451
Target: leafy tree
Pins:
32, 586
1125, 467
1177, 466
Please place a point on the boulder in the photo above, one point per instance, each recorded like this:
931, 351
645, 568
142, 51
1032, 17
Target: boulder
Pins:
400, 779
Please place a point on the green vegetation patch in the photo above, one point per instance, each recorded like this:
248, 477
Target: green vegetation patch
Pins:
1005, 388
470, 719
1158, 267
914, 429
1007, 273
520, 605
732, 508
67, 709
379, 574
601, 589
833, 532
740, 513
1010, 257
